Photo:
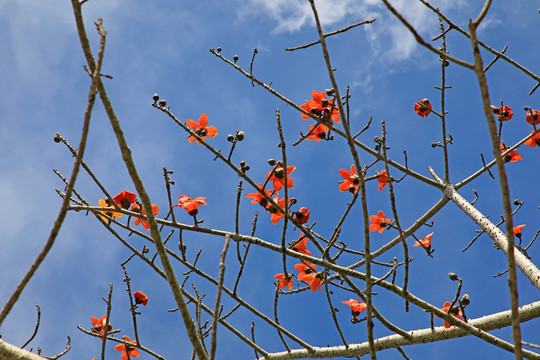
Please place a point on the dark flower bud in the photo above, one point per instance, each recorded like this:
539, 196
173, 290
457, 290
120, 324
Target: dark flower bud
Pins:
57, 138
155, 97
293, 201
272, 210
507, 158
433, 145
329, 92
193, 212
377, 139
271, 162
453, 276
162, 102
230, 138
203, 132
454, 310
356, 181
446, 63
377, 147
279, 173
324, 103
240, 135
242, 163
495, 110
352, 189
218, 50
465, 300
517, 202
263, 202
315, 111
235, 58
246, 168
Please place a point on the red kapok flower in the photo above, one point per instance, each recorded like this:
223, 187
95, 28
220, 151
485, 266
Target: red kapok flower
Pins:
379, 222
106, 204
278, 177
425, 242
125, 199
99, 325
302, 215
127, 349
201, 129
316, 282
307, 271
533, 141
351, 180
422, 107
517, 230
144, 222
382, 179
319, 105
317, 133
140, 298
504, 113
275, 214
533, 117
512, 156
455, 312
189, 204
356, 306
284, 280
256, 197
300, 246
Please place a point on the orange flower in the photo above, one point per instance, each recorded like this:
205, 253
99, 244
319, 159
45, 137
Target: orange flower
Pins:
140, 298
532, 117
300, 246
517, 231
284, 281
422, 107
320, 106
425, 242
127, 349
99, 325
316, 282
351, 180
144, 222
382, 179
106, 204
379, 222
317, 133
535, 140
512, 156
307, 271
356, 306
455, 312
302, 215
275, 215
201, 129
278, 177
189, 204
125, 199
504, 114
256, 197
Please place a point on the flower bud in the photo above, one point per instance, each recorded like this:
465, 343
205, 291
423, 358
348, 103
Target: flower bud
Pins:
240, 135
271, 162
235, 58
57, 138
242, 163
453, 276
517, 202
218, 50
155, 97
230, 138
163, 103
465, 300
279, 173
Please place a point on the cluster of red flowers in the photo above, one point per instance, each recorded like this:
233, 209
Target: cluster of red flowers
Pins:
323, 109
505, 113
277, 176
125, 199
98, 326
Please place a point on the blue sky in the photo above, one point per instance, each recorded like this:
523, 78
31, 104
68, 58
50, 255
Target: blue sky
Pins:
162, 47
